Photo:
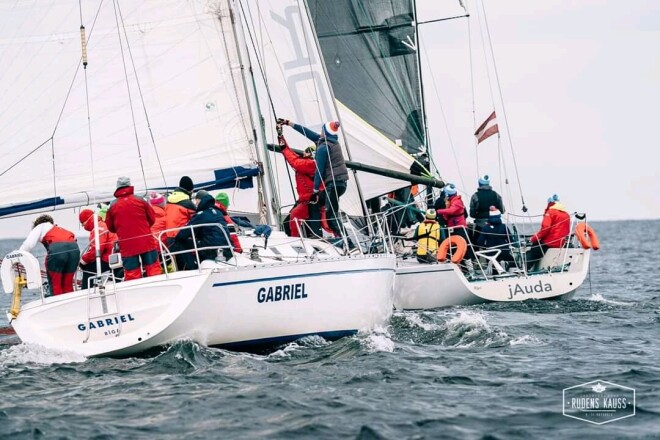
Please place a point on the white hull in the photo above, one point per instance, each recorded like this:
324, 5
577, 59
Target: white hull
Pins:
219, 305
428, 286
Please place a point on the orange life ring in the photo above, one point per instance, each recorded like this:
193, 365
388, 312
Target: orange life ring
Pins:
587, 237
461, 249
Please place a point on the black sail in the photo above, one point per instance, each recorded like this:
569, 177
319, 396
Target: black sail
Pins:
368, 49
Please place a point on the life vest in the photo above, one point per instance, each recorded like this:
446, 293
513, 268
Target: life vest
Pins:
335, 167
485, 199
57, 235
428, 235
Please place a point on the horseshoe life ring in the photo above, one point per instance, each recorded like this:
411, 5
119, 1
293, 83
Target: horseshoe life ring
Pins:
461, 249
587, 237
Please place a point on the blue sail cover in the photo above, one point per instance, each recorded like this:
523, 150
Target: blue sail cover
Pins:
236, 177
369, 51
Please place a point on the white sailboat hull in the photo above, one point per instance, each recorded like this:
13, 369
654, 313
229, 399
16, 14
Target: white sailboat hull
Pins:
219, 305
429, 286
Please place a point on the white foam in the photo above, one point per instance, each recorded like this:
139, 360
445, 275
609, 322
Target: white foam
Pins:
470, 319
415, 320
36, 354
472, 328
525, 340
597, 297
378, 339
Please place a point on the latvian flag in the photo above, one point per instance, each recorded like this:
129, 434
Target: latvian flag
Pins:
487, 129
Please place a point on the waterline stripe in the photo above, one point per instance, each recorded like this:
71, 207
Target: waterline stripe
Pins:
330, 336
306, 275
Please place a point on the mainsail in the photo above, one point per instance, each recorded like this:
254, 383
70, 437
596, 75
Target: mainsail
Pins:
162, 96
369, 48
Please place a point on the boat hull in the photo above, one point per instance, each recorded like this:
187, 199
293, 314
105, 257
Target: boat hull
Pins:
218, 305
429, 286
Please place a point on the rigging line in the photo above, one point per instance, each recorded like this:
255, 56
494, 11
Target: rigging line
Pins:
444, 19
265, 80
57, 122
83, 43
506, 122
334, 106
446, 124
144, 106
34, 150
273, 164
309, 60
418, 56
261, 69
128, 87
59, 118
309, 63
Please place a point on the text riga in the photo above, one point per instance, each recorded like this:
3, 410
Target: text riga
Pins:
282, 293
107, 322
517, 289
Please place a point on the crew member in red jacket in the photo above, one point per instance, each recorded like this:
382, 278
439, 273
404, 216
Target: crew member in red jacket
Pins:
62, 252
131, 217
106, 242
454, 214
158, 203
305, 168
555, 228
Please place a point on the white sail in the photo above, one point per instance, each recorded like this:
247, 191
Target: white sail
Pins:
163, 94
296, 82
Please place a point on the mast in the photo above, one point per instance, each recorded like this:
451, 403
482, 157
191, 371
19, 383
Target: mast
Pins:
256, 119
427, 139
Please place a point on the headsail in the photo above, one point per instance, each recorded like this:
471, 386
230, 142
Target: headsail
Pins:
296, 81
164, 99
369, 50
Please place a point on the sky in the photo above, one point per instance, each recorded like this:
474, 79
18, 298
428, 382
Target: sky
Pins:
580, 83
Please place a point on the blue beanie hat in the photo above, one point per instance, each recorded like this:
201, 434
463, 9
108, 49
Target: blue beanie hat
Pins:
449, 189
484, 181
554, 198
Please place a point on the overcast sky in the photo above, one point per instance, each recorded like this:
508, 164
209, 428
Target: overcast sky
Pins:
581, 88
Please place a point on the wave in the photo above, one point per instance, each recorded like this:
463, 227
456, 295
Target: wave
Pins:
458, 329
22, 354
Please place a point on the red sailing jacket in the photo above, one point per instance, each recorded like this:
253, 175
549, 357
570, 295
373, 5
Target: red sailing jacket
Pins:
305, 169
57, 235
453, 214
131, 218
106, 241
160, 224
555, 227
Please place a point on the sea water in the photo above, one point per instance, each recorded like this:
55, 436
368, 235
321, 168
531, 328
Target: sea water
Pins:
494, 371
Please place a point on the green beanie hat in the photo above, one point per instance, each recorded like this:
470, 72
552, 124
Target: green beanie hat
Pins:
223, 198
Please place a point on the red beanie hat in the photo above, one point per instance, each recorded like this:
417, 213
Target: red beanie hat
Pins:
85, 215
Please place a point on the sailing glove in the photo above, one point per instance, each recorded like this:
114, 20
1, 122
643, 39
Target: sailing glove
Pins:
314, 199
281, 121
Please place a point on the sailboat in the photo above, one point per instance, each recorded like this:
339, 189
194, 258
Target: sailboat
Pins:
156, 91
372, 53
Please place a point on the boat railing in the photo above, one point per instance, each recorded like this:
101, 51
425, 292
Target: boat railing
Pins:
168, 256
372, 238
